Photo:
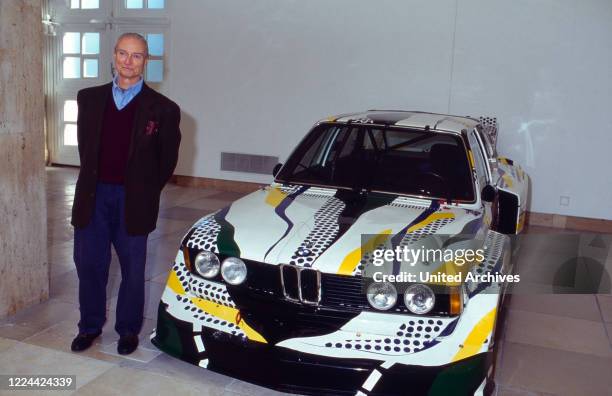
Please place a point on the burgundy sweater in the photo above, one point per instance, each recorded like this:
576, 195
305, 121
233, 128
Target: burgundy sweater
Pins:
115, 141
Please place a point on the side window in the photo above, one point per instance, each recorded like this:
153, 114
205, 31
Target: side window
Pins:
479, 160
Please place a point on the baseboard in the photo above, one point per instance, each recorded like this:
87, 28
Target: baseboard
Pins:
569, 222
217, 184
533, 218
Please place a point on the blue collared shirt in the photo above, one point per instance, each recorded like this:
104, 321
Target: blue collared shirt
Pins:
124, 96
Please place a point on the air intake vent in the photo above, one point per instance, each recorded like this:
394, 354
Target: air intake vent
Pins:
248, 163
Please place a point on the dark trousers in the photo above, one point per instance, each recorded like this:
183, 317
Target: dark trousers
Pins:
92, 256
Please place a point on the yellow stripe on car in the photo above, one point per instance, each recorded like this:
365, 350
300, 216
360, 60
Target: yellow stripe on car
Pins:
430, 219
521, 222
352, 259
229, 315
508, 180
471, 158
479, 334
174, 283
275, 197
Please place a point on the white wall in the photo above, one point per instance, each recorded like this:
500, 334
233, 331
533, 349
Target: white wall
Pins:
253, 76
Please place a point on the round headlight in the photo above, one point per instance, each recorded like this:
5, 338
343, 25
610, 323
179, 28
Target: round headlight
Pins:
207, 264
233, 270
382, 296
419, 299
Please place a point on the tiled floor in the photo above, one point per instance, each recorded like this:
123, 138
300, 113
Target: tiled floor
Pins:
550, 344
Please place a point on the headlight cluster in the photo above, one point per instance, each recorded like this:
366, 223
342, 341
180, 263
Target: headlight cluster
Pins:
233, 270
418, 298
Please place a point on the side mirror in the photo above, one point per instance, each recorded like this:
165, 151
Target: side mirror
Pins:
276, 168
488, 193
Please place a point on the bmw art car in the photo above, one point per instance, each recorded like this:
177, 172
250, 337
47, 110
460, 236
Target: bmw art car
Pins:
322, 282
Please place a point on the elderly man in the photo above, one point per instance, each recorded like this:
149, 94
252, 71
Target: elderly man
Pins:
128, 138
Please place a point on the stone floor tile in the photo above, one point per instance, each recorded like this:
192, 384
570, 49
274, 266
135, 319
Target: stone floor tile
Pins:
175, 368
544, 370
141, 354
61, 258
161, 278
6, 343
127, 380
183, 213
502, 390
43, 315
27, 359
580, 306
17, 332
558, 332
60, 336
207, 204
248, 389
609, 332
227, 195
182, 195
169, 226
605, 304
550, 242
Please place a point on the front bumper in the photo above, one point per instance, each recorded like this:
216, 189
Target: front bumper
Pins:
288, 370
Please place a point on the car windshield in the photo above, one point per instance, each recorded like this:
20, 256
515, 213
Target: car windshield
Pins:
386, 159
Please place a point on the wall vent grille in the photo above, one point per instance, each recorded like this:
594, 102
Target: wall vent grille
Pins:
250, 163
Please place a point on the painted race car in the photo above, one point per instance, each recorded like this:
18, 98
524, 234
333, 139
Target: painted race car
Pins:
290, 286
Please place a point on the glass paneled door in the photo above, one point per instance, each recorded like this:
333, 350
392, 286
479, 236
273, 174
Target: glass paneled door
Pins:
79, 55
81, 62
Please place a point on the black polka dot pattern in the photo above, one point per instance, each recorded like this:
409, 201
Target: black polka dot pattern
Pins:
490, 126
205, 235
405, 202
415, 335
423, 232
493, 249
322, 235
201, 318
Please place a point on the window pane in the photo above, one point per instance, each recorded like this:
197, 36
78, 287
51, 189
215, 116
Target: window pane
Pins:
133, 4
74, 4
72, 67
71, 43
70, 135
156, 4
89, 4
91, 43
156, 44
155, 70
71, 110
90, 68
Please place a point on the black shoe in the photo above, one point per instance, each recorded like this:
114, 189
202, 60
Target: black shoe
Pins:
127, 344
83, 341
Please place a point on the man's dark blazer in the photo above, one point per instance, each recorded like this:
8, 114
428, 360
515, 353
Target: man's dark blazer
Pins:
153, 155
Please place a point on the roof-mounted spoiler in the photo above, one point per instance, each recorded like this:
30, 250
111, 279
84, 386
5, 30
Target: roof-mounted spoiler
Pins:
490, 127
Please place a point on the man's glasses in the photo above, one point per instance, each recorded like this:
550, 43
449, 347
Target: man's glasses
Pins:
124, 55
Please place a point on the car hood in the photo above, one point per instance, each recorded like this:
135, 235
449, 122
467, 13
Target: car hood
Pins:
330, 229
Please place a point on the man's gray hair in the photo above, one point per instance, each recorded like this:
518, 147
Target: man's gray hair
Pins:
134, 36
